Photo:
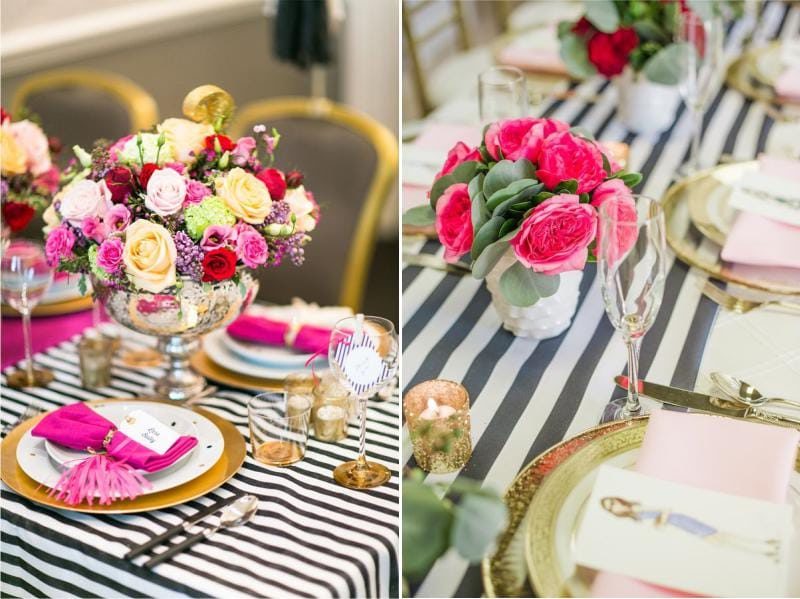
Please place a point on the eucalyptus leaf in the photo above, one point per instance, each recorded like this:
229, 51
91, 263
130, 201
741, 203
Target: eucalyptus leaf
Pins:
475, 185
492, 254
575, 56
568, 186
479, 212
603, 15
509, 225
426, 528
668, 64
649, 30
523, 287
606, 163
477, 521
513, 189
522, 196
631, 179
463, 173
504, 173
419, 216
487, 234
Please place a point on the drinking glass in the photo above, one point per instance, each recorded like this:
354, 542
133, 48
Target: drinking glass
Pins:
94, 356
502, 94
363, 354
25, 278
631, 262
699, 67
278, 431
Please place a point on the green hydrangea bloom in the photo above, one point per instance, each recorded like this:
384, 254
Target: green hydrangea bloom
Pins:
96, 270
211, 211
129, 153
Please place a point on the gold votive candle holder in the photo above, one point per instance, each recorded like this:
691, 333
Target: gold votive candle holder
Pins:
94, 356
298, 383
278, 438
333, 406
437, 415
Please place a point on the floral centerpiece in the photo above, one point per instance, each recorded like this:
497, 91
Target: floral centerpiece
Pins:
523, 206
29, 177
170, 223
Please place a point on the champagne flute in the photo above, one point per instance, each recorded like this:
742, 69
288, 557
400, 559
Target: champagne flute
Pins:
700, 65
25, 278
502, 94
363, 353
631, 260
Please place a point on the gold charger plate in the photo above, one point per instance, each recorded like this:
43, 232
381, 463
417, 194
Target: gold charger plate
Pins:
744, 76
227, 465
78, 304
681, 212
211, 370
559, 504
505, 573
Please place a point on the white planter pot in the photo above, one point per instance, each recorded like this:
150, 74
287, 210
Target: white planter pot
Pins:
646, 107
549, 317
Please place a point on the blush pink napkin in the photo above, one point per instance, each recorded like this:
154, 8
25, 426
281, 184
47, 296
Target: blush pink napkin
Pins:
257, 329
709, 452
761, 241
79, 427
787, 85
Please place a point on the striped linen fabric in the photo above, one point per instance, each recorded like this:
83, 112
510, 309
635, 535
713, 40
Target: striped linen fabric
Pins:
310, 538
526, 395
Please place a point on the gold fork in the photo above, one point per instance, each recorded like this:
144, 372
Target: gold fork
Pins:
739, 304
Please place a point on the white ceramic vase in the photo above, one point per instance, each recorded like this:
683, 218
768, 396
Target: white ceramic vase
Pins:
646, 107
549, 317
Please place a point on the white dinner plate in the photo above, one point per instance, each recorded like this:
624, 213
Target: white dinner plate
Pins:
36, 462
266, 355
64, 290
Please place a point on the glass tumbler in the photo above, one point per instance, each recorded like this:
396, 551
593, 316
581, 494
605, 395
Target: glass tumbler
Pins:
278, 432
94, 355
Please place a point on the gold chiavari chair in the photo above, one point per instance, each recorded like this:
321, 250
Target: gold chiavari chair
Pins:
349, 161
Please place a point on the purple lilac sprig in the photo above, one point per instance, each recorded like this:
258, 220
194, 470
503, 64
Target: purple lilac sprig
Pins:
189, 261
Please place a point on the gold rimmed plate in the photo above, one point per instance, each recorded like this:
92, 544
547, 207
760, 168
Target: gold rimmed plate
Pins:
224, 468
754, 73
70, 306
204, 365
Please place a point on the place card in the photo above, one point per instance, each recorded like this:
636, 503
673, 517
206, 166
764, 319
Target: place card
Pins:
148, 431
685, 538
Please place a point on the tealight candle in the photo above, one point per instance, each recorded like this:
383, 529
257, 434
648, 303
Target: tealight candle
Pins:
331, 411
330, 423
296, 405
437, 415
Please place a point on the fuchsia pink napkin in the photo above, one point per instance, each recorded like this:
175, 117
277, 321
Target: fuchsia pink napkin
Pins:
258, 329
709, 452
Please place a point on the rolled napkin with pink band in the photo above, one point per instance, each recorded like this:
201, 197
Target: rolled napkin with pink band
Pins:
111, 473
266, 331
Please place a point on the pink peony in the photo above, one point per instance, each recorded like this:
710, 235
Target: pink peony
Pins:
555, 237
94, 228
117, 218
30, 137
196, 192
217, 236
454, 221
59, 244
520, 138
243, 150
109, 255
564, 156
458, 154
251, 248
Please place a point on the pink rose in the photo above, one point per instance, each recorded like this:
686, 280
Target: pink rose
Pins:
251, 248
556, 235
196, 192
33, 142
178, 167
520, 138
454, 221
166, 191
458, 154
48, 181
109, 255
84, 199
564, 156
93, 228
613, 189
243, 150
618, 220
217, 236
59, 244
115, 148
117, 218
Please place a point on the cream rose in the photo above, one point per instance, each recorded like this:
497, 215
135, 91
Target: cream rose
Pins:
33, 141
185, 136
246, 196
302, 207
83, 199
166, 191
12, 161
51, 220
149, 256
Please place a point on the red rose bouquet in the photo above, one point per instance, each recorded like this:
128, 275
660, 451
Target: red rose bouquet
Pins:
532, 188
29, 178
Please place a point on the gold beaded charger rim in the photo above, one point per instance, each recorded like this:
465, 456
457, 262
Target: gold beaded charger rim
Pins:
204, 365
70, 306
504, 573
208, 104
228, 464
744, 76
680, 204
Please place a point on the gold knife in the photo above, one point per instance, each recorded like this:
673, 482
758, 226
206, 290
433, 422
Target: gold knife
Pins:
708, 404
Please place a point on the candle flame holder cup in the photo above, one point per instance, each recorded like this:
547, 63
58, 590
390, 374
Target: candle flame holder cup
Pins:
438, 419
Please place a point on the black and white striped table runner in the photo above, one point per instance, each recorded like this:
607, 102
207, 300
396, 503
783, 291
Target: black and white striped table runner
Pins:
310, 538
527, 395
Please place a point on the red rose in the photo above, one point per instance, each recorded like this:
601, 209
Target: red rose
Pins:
147, 172
294, 179
609, 52
4, 116
17, 215
583, 26
226, 144
119, 181
275, 182
218, 265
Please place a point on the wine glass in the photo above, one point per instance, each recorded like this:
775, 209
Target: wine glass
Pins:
25, 278
502, 94
699, 66
363, 353
631, 258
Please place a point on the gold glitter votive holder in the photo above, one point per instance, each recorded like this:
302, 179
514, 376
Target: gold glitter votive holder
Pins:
437, 415
333, 406
94, 356
278, 435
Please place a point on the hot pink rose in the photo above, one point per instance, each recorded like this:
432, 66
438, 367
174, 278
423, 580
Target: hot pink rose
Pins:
251, 248
59, 244
556, 235
93, 228
30, 137
117, 218
520, 138
196, 192
217, 236
243, 150
564, 156
109, 255
454, 221
178, 167
458, 154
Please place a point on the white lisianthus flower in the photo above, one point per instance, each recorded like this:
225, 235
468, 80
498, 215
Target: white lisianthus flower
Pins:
129, 153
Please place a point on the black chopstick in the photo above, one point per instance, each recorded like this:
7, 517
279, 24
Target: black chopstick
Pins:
179, 528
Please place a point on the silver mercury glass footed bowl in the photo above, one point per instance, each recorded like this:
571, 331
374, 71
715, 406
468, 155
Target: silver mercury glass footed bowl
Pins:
178, 316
